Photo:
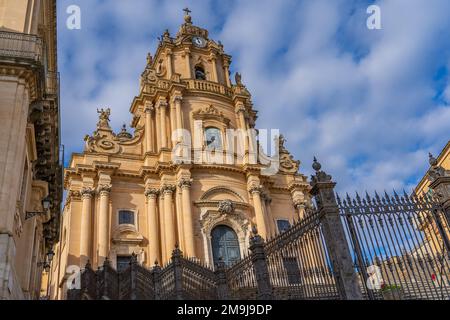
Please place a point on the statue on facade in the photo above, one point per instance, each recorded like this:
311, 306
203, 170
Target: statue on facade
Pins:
103, 118
238, 79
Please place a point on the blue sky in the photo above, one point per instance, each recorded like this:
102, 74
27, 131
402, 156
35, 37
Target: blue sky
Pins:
370, 104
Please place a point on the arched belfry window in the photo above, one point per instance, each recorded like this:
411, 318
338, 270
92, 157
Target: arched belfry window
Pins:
200, 73
225, 245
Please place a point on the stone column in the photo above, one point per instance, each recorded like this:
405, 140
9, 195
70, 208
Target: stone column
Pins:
214, 68
187, 56
169, 64
103, 224
162, 108
148, 126
188, 226
179, 121
85, 232
152, 220
259, 214
243, 137
226, 70
169, 222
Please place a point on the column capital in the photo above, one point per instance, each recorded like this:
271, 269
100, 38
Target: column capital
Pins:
185, 183
151, 193
104, 189
149, 107
168, 189
256, 189
87, 192
177, 98
299, 204
240, 108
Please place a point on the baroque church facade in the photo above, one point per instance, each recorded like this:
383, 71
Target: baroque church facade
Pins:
167, 185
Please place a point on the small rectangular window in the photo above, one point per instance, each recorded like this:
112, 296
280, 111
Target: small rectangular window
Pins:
283, 225
126, 217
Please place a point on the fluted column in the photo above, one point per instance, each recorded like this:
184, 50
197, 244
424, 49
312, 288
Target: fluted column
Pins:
152, 220
85, 232
103, 224
162, 108
188, 226
259, 213
148, 126
169, 222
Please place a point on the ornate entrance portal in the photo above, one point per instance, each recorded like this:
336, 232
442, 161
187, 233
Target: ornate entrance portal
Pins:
225, 245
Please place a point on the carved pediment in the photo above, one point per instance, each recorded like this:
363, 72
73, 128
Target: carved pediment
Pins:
210, 112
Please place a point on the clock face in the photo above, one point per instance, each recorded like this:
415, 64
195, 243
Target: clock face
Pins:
213, 138
199, 42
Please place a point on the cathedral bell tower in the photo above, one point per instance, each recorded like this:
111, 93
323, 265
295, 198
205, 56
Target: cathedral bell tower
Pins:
189, 175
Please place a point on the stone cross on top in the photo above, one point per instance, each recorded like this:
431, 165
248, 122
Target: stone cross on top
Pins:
187, 17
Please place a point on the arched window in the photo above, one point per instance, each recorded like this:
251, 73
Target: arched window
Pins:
225, 245
200, 73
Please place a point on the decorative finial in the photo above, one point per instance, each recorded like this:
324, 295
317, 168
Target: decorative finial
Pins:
432, 160
187, 16
316, 165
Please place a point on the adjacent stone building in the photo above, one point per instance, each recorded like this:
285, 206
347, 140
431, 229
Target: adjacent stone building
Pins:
30, 170
186, 176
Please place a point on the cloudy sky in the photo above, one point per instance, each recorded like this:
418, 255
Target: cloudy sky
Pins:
370, 104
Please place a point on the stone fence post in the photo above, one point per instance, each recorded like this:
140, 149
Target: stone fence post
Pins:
265, 290
133, 287
178, 273
334, 234
157, 281
223, 292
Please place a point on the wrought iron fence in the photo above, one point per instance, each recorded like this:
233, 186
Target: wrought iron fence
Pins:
298, 262
397, 242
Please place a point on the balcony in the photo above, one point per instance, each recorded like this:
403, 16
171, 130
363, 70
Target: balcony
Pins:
19, 46
200, 85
